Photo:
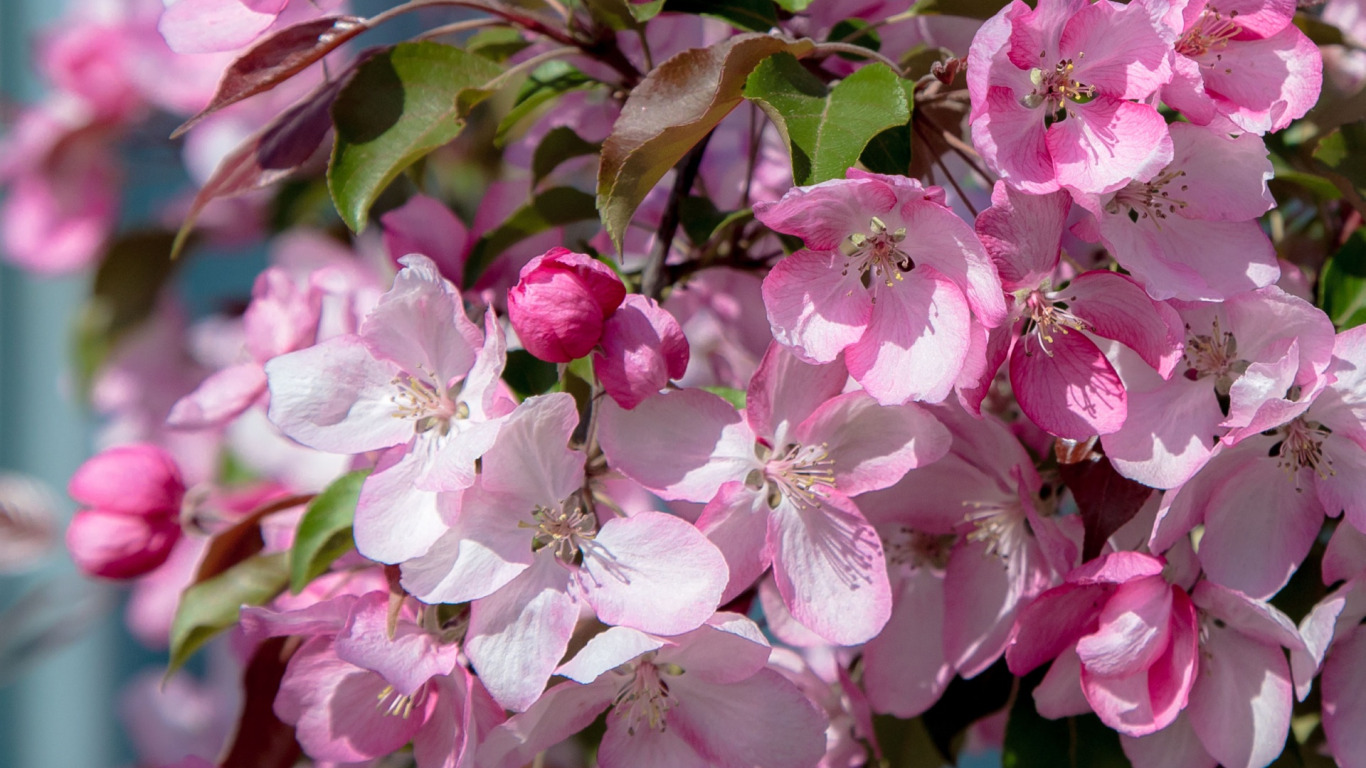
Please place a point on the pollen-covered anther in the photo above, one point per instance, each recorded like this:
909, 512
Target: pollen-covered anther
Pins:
1151, 199
877, 255
1001, 527
425, 404
645, 697
1210, 33
1303, 447
801, 474
394, 703
565, 529
917, 549
1215, 354
1050, 318
1056, 87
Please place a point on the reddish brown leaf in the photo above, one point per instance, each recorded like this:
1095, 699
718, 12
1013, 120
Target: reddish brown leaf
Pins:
1107, 499
268, 155
262, 740
242, 540
669, 112
276, 59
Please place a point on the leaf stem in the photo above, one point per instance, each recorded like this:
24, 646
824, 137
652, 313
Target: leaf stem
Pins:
651, 280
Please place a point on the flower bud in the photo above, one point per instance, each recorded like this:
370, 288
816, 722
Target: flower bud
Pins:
560, 303
116, 545
643, 347
134, 493
138, 479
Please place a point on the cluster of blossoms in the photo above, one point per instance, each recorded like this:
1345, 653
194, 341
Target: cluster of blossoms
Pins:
778, 464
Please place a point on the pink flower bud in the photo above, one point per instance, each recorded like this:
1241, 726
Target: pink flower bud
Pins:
116, 545
560, 303
642, 348
139, 479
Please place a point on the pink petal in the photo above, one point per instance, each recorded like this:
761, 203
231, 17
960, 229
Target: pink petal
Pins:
946, 243
830, 569
1107, 144
761, 721
484, 550
915, 341
1052, 623
1059, 694
785, 391
1345, 556
1169, 431
209, 26
643, 347
1344, 700
1253, 619
873, 446
905, 667
420, 324
815, 305
1116, 307
736, 521
623, 748
1175, 746
728, 648
1241, 706
219, 398
407, 660
1126, 55
705, 443
825, 214
1065, 385
563, 711
1023, 234
606, 651
395, 521
518, 635
427, 226
1223, 178
1234, 256
1264, 84
1014, 141
1133, 630
654, 572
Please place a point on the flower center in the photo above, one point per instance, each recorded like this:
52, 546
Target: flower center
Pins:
1214, 355
427, 405
1048, 318
1302, 447
394, 703
1055, 88
801, 474
566, 528
1210, 33
1149, 199
1003, 527
645, 697
877, 256
914, 549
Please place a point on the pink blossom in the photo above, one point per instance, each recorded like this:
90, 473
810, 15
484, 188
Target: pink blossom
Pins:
643, 347
1243, 61
559, 306
132, 496
528, 549
686, 700
778, 482
1059, 95
1188, 230
419, 380
890, 277
425, 225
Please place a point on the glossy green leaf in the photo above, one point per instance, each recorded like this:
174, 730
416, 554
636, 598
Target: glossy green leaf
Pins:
529, 375
549, 81
559, 145
752, 15
400, 105
554, 207
212, 606
890, 151
669, 112
324, 532
827, 129
1342, 284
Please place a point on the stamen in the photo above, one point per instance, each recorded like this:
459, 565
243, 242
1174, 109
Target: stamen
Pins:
878, 256
801, 474
645, 697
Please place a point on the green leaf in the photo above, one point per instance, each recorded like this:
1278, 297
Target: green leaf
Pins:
549, 81
324, 532
1342, 285
529, 375
614, 14
554, 207
793, 6
826, 129
669, 112
212, 606
400, 105
735, 397
496, 44
752, 15
906, 743
890, 151
559, 144
856, 32
646, 11
1342, 156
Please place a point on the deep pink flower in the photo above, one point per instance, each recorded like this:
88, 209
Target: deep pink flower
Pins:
133, 494
643, 347
1059, 94
559, 306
